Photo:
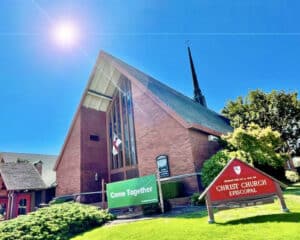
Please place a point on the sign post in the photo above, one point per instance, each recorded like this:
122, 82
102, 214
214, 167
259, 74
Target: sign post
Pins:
135, 191
281, 199
241, 185
211, 218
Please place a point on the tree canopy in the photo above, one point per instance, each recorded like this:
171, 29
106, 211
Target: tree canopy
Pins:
253, 144
278, 110
213, 166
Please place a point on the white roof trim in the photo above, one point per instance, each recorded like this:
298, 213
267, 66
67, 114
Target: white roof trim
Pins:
102, 86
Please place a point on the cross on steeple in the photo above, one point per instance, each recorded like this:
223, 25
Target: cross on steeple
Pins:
198, 96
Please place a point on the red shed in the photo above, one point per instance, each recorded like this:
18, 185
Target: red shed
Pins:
18, 183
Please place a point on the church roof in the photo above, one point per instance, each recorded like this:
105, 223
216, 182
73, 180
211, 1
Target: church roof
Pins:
21, 176
189, 110
48, 162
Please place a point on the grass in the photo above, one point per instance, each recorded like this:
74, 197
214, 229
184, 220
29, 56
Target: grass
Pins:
260, 222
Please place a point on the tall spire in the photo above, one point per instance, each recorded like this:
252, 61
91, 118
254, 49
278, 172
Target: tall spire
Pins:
198, 96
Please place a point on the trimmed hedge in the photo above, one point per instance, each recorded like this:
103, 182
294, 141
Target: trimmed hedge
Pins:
195, 200
213, 166
59, 222
154, 208
169, 190
172, 190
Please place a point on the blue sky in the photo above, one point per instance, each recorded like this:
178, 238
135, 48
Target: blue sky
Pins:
237, 46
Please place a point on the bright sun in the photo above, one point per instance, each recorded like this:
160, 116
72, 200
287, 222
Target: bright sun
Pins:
66, 34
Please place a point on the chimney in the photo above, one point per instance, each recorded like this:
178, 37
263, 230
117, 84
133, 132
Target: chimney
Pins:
39, 166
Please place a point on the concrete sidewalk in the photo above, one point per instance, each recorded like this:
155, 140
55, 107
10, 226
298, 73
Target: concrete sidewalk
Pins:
138, 216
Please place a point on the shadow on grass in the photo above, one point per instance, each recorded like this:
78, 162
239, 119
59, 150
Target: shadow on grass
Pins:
191, 215
294, 190
282, 217
294, 186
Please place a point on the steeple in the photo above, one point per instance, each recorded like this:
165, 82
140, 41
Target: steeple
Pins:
198, 96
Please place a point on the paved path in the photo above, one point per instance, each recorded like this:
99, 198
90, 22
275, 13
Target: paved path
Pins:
138, 216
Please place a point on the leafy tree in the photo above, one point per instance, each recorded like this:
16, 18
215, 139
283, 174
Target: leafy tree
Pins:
258, 146
255, 145
278, 109
213, 166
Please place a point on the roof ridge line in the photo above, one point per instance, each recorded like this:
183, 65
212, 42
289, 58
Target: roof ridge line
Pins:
28, 153
161, 83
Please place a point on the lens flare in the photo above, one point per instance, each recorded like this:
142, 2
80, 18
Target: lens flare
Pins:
66, 34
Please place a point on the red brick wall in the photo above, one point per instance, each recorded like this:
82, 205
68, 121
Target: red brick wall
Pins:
83, 158
202, 149
68, 170
158, 133
94, 154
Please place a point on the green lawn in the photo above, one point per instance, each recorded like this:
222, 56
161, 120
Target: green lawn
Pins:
261, 222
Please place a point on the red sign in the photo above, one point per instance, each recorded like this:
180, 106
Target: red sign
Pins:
239, 180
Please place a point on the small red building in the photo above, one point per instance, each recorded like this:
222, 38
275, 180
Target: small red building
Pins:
44, 164
160, 129
18, 183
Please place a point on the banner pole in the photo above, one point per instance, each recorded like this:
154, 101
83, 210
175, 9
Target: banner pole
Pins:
102, 194
160, 192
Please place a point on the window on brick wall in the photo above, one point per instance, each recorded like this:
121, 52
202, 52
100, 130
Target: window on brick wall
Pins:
121, 123
94, 138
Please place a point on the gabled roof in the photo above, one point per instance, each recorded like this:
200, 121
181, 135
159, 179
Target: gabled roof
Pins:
189, 110
48, 162
21, 176
106, 75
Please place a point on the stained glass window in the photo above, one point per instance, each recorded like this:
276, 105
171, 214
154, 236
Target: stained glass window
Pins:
121, 123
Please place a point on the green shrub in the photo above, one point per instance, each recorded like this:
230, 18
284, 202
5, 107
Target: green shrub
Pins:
195, 200
60, 222
150, 209
172, 189
213, 166
63, 199
292, 176
154, 208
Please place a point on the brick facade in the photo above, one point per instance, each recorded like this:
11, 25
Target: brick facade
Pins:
82, 158
93, 153
68, 170
158, 133
202, 149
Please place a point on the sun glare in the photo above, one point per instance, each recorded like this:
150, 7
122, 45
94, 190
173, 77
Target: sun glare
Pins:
66, 34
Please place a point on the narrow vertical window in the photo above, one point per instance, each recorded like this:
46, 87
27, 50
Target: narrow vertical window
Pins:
121, 123
129, 106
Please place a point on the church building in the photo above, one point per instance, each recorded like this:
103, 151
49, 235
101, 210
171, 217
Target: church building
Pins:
129, 124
